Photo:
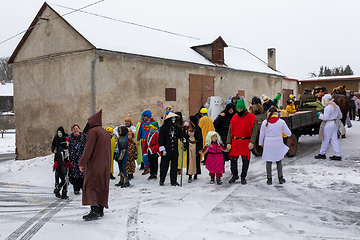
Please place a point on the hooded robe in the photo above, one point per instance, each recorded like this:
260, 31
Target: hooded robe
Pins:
96, 160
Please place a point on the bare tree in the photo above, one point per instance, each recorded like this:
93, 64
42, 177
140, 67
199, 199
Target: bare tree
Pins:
5, 70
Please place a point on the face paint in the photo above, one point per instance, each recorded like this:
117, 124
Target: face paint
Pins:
173, 119
59, 133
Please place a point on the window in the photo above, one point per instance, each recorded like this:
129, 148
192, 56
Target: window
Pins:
170, 94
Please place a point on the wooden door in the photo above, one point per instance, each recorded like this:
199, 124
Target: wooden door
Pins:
200, 88
285, 96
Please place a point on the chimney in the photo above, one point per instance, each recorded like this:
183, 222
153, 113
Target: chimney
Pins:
272, 58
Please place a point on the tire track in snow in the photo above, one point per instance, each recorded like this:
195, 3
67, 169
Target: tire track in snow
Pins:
132, 228
50, 211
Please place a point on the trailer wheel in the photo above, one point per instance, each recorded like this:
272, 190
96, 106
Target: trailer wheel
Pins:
292, 144
257, 150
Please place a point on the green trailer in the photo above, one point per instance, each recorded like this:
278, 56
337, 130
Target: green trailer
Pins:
303, 122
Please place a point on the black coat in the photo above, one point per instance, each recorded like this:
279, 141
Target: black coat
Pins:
170, 142
222, 123
55, 140
351, 102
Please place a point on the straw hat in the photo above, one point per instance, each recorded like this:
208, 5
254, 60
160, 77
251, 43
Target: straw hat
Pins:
170, 115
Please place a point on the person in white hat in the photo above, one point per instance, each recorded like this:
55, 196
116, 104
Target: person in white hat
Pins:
168, 146
329, 127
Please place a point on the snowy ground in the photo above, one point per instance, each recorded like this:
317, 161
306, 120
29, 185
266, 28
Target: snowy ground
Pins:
7, 143
320, 200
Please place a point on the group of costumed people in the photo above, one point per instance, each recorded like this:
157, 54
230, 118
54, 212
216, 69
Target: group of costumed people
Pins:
86, 159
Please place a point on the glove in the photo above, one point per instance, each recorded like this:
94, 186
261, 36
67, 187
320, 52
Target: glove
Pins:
318, 114
164, 153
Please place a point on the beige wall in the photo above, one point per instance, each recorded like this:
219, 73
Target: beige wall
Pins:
48, 94
125, 86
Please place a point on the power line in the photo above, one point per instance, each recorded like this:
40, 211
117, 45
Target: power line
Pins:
74, 10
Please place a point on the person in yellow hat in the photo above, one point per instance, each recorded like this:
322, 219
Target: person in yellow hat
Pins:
110, 130
206, 125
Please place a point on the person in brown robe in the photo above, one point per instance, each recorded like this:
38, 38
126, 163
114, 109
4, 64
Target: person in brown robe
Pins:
95, 162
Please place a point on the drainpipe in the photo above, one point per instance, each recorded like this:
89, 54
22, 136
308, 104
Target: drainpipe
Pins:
92, 83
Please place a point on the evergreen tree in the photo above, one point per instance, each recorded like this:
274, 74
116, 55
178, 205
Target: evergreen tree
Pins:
348, 70
336, 71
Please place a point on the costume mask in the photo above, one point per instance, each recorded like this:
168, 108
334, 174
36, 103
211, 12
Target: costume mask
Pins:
59, 133
173, 120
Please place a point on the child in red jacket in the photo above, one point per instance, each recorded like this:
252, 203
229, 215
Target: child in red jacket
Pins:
151, 148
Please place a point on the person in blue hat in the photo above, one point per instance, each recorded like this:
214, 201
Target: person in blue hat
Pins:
141, 137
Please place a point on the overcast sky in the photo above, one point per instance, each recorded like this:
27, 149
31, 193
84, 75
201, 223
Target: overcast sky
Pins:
306, 33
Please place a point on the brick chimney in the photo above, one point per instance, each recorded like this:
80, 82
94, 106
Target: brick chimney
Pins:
272, 58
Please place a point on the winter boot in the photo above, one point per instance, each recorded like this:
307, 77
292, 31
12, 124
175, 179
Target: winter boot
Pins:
154, 177
125, 184
112, 176
57, 192
320, 156
121, 182
190, 179
146, 171
212, 179
142, 166
233, 179
195, 177
218, 180
131, 176
281, 180
64, 194
243, 181
161, 183
94, 213
269, 181
101, 208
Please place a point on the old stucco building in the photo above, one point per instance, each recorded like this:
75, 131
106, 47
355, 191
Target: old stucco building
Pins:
67, 68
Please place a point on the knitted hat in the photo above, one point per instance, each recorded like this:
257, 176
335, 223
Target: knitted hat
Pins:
154, 125
204, 110
240, 104
325, 100
109, 129
147, 113
167, 112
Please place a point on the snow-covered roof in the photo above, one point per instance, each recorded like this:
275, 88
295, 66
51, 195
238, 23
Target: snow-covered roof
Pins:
331, 78
112, 34
6, 89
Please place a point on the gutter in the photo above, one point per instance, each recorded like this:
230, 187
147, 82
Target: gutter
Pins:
92, 83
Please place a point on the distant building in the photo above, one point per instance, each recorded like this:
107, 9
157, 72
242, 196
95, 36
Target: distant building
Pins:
67, 68
351, 82
6, 97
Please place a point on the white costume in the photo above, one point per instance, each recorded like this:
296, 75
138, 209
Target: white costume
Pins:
331, 114
272, 140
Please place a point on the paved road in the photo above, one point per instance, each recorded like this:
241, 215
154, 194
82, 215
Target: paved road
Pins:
7, 156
